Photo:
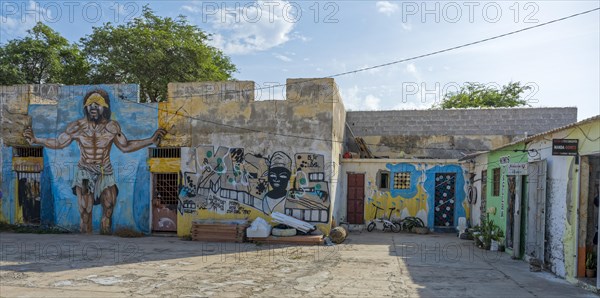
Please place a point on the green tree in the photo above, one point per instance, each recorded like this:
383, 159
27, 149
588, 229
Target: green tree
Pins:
475, 95
43, 56
153, 51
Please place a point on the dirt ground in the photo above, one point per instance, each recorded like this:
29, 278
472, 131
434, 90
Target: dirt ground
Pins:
367, 264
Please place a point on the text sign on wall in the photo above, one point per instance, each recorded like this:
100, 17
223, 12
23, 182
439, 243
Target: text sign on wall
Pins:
566, 147
516, 169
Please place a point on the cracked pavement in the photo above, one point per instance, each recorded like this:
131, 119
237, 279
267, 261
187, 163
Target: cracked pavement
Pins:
368, 264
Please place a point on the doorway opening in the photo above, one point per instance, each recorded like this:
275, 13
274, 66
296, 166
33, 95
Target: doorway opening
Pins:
164, 201
587, 245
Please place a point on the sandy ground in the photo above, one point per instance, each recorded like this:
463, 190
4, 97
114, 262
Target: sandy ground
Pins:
367, 264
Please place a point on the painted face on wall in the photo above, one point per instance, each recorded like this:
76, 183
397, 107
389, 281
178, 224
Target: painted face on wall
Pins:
96, 106
279, 177
95, 111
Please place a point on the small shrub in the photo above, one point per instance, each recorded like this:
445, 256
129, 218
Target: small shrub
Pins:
590, 260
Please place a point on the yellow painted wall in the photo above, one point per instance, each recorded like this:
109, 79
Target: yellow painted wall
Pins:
227, 115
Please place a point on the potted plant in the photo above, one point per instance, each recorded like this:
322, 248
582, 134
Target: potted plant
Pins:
488, 232
590, 264
501, 246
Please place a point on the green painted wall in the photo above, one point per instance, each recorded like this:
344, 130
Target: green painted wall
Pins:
500, 201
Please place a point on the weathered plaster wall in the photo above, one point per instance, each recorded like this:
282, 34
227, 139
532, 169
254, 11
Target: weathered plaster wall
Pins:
337, 146
232, 144
418, 200
448, 133
562, 191
49, 119
480, 164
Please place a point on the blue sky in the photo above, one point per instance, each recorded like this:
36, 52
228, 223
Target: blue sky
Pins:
270, 41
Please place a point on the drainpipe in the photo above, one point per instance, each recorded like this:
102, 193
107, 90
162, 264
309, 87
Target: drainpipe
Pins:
577, 194
598, 253
517, 216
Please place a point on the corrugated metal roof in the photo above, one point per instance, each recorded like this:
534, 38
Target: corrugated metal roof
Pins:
584, 121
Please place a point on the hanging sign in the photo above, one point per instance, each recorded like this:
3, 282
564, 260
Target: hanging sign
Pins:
565, 147
516, 169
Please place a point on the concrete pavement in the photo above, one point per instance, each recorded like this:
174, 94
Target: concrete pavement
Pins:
367, 264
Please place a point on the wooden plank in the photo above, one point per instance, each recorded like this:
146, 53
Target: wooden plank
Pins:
219, 232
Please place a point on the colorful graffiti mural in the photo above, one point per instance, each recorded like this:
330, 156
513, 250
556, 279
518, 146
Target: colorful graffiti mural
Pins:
231, 181
434, 193
93, 180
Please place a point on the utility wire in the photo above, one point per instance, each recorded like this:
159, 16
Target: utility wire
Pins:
356, 71
414, 57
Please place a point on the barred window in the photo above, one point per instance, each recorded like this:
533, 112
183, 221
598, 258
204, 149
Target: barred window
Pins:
496, 182
402, 180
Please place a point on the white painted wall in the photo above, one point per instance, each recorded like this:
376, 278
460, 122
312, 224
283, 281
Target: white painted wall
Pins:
480, 165
557, 188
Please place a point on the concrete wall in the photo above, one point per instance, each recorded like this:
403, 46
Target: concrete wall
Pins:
231, 145
419, 199
49, 112
448, 133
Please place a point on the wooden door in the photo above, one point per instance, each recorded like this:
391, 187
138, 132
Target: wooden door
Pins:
356, 198
536, 210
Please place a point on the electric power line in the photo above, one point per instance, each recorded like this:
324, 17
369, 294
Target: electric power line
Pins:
414, 57
176, 113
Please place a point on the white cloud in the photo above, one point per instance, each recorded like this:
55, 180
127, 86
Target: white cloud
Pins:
298, 36
406, 26
15, 26
251, 28
193, 9
386, 7
372, 102
411, 105
355, 101
283, 57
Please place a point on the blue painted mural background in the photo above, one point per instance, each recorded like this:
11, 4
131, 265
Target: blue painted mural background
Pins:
8, 186
459, 209
59, 204
422, 187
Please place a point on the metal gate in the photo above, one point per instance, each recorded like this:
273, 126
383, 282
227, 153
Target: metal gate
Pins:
164, 202
536, 210
29, 196
445, 190
356, 199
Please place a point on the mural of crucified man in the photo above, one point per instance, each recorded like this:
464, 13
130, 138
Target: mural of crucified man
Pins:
94, 182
